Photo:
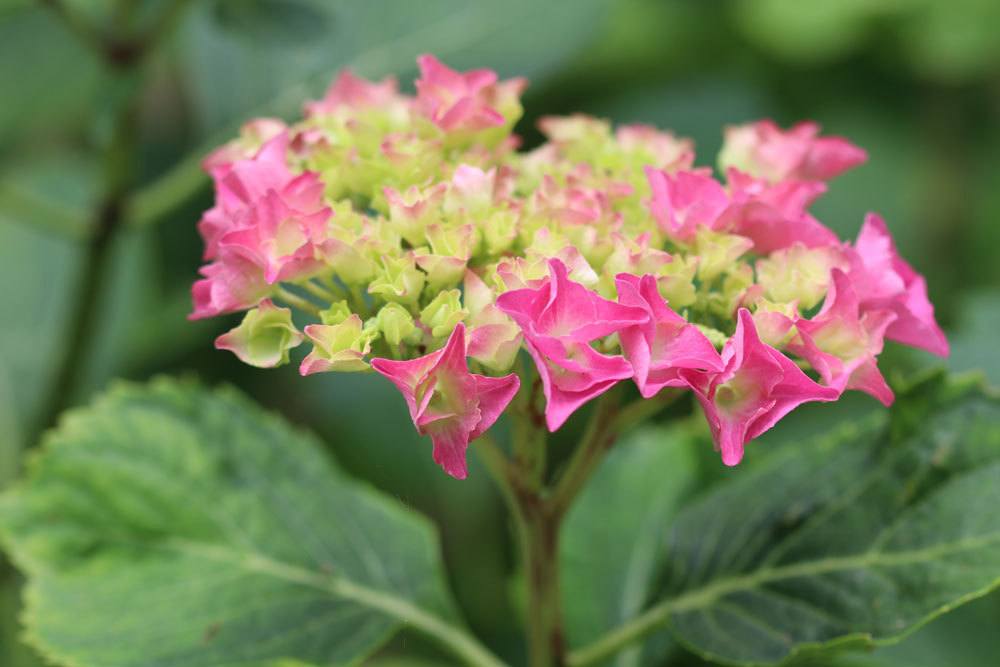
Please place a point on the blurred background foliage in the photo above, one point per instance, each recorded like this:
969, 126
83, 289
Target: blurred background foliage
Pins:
91, 293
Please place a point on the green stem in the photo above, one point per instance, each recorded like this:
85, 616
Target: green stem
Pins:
319, 291
296, 301
597, 440
529, 429
539, 530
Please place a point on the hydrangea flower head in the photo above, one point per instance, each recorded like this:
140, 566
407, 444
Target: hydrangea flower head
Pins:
406, 235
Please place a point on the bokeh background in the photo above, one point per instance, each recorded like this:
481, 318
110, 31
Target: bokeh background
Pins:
97, 253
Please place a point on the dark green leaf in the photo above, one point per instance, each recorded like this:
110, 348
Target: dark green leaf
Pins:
852, 541
173, 526
853, 537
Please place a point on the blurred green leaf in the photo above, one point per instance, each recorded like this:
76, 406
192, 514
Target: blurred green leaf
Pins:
47, 76
852, 541
954, 41
610, 546
174, 525
693, 107
973, 347
273, 21
377, 38
815, 31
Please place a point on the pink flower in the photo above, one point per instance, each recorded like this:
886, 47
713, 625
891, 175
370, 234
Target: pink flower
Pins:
446, 401
283, 240
757, 387
354, 92
884, 281
559, 319
665, 343
668, 152
231, 283
253, 135
774, 216
463, 101
841, 342
764, 150
686, 200
579, 206
241, 184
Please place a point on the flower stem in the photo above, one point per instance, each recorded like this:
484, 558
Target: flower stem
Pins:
297, 301
540, 549
319, 291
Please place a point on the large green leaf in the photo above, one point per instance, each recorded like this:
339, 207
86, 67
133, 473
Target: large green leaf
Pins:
172, 526
48, 77
855, 540
610, 548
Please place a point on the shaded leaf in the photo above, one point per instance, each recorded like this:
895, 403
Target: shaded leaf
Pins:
48, 77
376, 38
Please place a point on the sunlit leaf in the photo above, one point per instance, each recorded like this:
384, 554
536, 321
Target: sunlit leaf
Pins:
221, 530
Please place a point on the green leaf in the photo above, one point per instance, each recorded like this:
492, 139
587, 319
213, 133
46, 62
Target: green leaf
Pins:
852, 541
173, 526
636, 490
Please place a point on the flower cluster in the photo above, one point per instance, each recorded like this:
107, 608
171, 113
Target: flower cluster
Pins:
419, 243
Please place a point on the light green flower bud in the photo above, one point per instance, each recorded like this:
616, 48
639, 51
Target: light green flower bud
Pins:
336, 313
396, 324
398, 280
337, 347
443, 313
798, 273
718, 252
264, 337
